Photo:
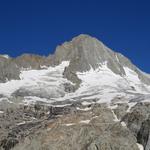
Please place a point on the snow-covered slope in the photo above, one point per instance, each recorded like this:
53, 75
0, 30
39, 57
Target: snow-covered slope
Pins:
37, 84
104, 76
103, 85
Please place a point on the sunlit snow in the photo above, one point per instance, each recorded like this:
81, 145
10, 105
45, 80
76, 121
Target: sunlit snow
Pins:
46, 80
100, 85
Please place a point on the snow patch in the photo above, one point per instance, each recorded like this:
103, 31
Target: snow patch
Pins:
140, 146
134, 81
85, 121
123, 124
5, 56
21, 123
85, 103
130, 106
115, 117
84, 109
69, 124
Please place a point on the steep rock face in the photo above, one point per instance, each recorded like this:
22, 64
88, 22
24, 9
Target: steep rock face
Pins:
138, 121
85, 52
143, 136
8, 69
74, 127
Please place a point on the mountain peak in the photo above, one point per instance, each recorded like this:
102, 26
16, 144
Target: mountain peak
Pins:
82, 47
82, 37
84, 88
85, 52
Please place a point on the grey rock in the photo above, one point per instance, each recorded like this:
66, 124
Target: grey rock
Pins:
8, 70
85, 52
137, 121
29, 61
143, 135
100, 133
121, 110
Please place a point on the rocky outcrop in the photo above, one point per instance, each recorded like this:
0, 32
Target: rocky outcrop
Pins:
138, 122
76, 126
8, 69
143, 135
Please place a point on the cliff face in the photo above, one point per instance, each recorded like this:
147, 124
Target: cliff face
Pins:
79, 126
85, 52
84, 97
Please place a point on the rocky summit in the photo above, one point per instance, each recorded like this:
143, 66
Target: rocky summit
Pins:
83, 97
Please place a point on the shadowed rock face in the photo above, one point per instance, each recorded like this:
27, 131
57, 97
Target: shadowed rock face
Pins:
143, 135
138, 121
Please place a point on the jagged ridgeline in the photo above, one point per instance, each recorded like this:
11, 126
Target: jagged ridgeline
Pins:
84, 52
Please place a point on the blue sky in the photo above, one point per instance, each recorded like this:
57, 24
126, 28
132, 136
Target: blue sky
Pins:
38, 26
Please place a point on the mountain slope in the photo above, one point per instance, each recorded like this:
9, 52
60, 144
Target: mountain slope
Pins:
85, 96
92, 70
85, 52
